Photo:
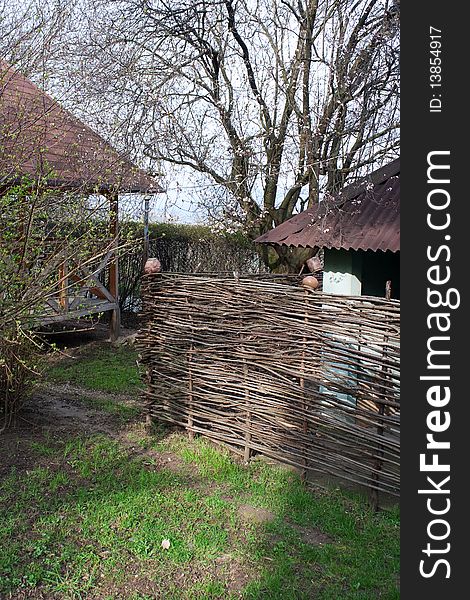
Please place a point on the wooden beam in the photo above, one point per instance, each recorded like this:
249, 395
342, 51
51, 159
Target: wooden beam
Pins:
145, 253
53, 304
97, 307
115, 323
92, 284
63, 285
96, 291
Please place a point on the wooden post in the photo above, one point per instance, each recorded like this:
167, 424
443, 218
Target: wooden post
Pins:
115, 324
247, 453
190, 424
380, 428
145, 253
63, 286
149, 420
302, 387
247, 449
190, 394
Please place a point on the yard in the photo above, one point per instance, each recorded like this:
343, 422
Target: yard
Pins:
89, 498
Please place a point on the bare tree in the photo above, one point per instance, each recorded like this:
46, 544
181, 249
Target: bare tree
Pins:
33, 33
276, 102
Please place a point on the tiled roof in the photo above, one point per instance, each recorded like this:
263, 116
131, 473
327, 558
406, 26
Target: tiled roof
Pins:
364, 216
40, 138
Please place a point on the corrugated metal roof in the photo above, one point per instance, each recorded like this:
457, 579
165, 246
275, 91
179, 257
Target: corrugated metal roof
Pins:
39, 137
364, 216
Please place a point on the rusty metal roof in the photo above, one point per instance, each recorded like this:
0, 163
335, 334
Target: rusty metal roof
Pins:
40, 138
364, 216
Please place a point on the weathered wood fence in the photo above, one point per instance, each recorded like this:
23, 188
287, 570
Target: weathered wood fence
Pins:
263, 365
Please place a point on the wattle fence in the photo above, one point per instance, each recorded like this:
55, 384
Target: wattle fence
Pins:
263, 365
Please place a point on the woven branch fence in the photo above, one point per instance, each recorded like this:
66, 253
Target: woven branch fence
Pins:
184, 255
263, 365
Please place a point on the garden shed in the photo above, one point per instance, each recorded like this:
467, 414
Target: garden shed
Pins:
359, 231
43, 142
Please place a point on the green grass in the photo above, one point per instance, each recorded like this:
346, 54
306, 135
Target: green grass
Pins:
106, 368
97, 518
88, 518
112, 406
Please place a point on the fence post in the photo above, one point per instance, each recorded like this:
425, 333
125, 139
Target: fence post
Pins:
190, 425
247, 454
149, 420
380, 428
302, 387
63, 286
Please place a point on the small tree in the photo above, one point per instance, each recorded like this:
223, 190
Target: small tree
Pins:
40, 229
47, 232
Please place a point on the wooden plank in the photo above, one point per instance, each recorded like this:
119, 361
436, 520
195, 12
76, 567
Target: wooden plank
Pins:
76, 314
80, 294
63, 284
80, 298
53, 304
115, 323
98, 289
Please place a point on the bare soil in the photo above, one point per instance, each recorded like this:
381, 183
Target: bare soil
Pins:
254, 514
53, 412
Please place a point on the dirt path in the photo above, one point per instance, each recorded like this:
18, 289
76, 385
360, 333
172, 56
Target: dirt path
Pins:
55, 412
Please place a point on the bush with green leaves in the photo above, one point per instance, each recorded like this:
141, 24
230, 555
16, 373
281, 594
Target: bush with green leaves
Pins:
182, 248
40, 229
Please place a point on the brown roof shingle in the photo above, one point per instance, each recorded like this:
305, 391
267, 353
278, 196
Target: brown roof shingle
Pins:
364, 216
40, 138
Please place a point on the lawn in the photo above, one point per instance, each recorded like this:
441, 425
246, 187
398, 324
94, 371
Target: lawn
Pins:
102, 367
88, 517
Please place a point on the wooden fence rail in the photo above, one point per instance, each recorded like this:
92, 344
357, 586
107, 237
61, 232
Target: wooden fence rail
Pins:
265, 366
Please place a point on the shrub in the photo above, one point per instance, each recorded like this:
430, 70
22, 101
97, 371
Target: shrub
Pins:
40, 228
182, 248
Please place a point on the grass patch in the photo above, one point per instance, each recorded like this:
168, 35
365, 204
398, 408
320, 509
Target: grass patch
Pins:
361, 563
102, 367
112, 406
90, 520
94, 523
